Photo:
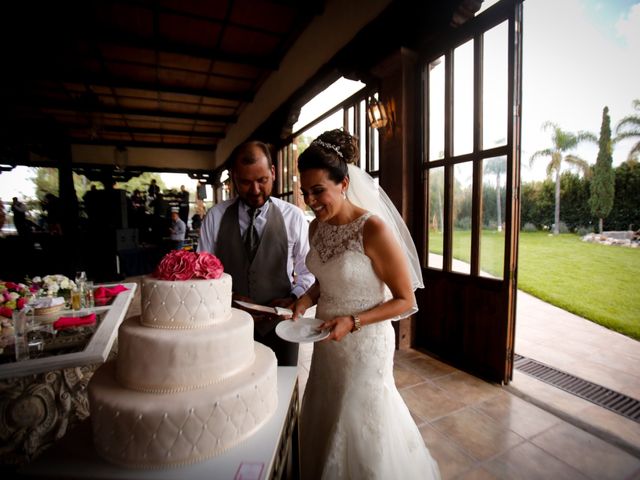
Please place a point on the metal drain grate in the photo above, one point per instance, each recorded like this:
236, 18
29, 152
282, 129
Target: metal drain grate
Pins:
616, 402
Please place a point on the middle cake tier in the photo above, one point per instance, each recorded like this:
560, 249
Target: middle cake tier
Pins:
160, 360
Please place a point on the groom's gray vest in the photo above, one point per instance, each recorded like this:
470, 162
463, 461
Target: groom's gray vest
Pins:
266, 278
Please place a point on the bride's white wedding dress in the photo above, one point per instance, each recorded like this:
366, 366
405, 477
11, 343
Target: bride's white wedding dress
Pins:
354, 424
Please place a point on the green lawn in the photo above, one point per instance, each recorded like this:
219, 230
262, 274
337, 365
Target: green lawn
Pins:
597, 282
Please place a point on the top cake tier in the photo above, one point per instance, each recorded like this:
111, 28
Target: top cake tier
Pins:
185, 304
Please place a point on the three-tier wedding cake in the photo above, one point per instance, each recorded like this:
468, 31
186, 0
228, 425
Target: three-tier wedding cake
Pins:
189, 382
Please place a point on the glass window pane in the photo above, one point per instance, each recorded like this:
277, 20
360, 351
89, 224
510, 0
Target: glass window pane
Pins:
375, 150
351, 126
463, 99
436, 109
494, 171
435, 217
462, 203
333, 121
364, 128
335, 93
495, 91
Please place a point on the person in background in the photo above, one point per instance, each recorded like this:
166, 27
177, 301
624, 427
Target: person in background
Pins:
262, 242
19, 211
3, 215
138, 208
184, 204
51, 205
177, 230
153, 190
92, 205
196, 222
137, 202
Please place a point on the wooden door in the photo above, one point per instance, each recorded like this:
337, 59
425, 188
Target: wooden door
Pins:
471, 190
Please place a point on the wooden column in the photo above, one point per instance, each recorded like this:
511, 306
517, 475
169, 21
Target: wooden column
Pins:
68, 197
400, 146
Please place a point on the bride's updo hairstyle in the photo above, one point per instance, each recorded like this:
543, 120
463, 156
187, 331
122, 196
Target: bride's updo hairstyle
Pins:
331, 151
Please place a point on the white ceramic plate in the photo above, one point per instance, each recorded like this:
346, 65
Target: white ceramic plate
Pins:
303, 330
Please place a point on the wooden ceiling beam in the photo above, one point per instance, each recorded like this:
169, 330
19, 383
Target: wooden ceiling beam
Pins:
78, 106
160, 45
160, 131
100, 81
148, 131
130, 143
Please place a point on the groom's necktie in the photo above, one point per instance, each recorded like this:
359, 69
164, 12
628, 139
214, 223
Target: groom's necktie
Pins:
251, 239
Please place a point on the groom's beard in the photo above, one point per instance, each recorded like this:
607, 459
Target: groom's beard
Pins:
256, 202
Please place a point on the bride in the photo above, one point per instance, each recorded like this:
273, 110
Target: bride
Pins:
354, 424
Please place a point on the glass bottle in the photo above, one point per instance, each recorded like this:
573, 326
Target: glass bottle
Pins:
81, 280
89, 300
20, 331
76, 299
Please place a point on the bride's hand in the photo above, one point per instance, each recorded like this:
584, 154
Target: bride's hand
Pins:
338, 326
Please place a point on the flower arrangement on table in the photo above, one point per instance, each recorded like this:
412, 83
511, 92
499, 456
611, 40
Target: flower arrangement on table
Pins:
186, 265
52, 293
53, 285
44, 294
13, 296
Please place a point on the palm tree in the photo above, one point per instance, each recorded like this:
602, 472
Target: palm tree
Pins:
629, 127
497, 166
562, 143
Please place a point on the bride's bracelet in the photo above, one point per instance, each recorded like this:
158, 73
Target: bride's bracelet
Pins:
357, 326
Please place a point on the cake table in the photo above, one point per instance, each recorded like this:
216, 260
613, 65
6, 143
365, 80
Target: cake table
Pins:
271, 453
45, 395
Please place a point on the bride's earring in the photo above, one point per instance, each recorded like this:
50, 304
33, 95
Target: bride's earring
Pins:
344, 194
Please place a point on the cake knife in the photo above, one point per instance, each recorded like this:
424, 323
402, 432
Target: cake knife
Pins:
280, 311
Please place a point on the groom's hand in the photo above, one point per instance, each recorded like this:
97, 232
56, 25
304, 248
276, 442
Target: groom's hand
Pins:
286, 302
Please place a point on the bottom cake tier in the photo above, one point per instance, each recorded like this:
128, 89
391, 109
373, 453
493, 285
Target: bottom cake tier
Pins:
150, 430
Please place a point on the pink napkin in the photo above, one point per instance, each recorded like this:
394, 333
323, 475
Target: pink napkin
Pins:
67, 322
108, 292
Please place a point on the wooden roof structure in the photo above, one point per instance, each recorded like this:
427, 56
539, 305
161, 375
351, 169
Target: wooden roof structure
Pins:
111, 76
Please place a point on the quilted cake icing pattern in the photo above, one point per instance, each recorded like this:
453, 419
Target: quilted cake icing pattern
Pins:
188, 304
176, 360
149, 430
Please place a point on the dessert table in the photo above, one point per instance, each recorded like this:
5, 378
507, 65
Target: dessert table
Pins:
44, 395
271, 453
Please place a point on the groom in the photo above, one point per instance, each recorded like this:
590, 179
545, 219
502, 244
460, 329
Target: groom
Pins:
262, 242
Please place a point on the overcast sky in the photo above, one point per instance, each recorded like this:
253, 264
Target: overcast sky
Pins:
579, 55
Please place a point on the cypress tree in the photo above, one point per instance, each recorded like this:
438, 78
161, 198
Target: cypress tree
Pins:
603, 181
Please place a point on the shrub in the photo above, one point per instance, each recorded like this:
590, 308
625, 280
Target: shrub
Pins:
529, 227
463, 223
562, 227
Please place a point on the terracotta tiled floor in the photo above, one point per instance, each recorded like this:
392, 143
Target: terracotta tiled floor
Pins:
476, 430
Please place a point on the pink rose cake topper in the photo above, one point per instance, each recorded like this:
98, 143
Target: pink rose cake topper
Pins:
184, 265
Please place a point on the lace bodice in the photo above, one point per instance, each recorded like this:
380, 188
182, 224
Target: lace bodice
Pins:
348, 283
332, 240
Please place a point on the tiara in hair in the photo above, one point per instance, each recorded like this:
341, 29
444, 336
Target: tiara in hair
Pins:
330, 146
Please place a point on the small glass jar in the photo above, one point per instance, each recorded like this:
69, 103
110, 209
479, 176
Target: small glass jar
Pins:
89, 300
76, 299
